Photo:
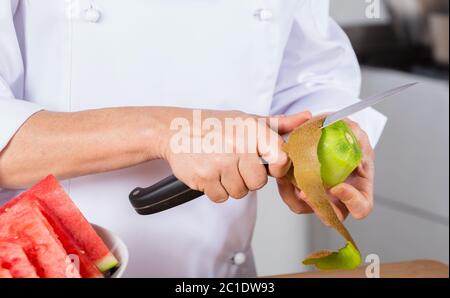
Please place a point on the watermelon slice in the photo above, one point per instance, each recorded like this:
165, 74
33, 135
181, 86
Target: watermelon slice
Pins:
28, 227
74, 230
4, 273
86, 267
14, 262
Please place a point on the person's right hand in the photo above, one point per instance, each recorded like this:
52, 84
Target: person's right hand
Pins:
235, 167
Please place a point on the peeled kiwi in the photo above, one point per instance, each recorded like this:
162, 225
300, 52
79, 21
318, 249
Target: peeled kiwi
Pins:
323, 158
347, 258
339, 153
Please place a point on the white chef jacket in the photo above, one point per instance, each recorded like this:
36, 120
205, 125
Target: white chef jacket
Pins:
259, 56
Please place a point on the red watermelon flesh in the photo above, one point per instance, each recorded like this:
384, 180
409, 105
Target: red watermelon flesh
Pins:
86, 267
69, 222
14, 262
4, 273
28, 227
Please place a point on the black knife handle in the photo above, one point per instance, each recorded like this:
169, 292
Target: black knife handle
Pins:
167, 193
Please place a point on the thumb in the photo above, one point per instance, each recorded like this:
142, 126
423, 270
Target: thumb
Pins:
284, 124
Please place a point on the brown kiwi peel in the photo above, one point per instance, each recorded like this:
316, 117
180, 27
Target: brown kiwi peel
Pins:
305, 174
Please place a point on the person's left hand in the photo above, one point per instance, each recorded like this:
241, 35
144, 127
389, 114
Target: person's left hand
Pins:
354, 196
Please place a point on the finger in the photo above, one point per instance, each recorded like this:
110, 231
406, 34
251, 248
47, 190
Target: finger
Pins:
362, 178
270, 148
301, 194
216, 192
285, 124
253, 172
303, 199
367, 166
339, 208
364, 187
287, 193
357, 204
362, 137
366, 169
279, 163
232, 181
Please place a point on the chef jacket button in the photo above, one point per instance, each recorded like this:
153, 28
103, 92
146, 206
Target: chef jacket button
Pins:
239, 258
92, 15
264, 15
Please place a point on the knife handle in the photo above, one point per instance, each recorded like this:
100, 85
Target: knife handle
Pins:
167, 193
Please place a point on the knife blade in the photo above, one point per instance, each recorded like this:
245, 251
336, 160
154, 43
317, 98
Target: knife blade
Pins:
364, 104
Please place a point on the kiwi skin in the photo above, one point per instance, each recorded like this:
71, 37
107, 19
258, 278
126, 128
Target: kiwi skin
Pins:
347, 258
322, 157
339, 153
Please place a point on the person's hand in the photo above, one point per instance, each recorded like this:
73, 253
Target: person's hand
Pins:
224, 165
354, 196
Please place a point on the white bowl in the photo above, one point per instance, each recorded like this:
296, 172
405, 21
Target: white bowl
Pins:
117, 247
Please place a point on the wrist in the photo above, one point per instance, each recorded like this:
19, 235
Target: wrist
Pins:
155, 133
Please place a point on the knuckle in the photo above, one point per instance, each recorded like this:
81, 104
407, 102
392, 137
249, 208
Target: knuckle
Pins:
239, 194
259, 182
218, 197
193, 184
225, 162
282, 157
204, 174
200, 182
363, 213
196, 181
203, 180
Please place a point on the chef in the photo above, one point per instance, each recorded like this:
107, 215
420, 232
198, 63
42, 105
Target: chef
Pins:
88, 90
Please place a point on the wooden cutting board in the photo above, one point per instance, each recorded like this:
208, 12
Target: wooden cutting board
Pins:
410, 269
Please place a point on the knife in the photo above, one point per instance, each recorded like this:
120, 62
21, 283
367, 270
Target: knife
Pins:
363, 104
171, 192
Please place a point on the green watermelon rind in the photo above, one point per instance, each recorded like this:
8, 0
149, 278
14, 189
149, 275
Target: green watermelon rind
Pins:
107, 263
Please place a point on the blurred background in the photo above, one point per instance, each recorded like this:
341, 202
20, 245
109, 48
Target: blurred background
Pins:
400, 41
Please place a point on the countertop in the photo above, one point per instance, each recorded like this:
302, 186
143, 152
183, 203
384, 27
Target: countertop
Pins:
409, 269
